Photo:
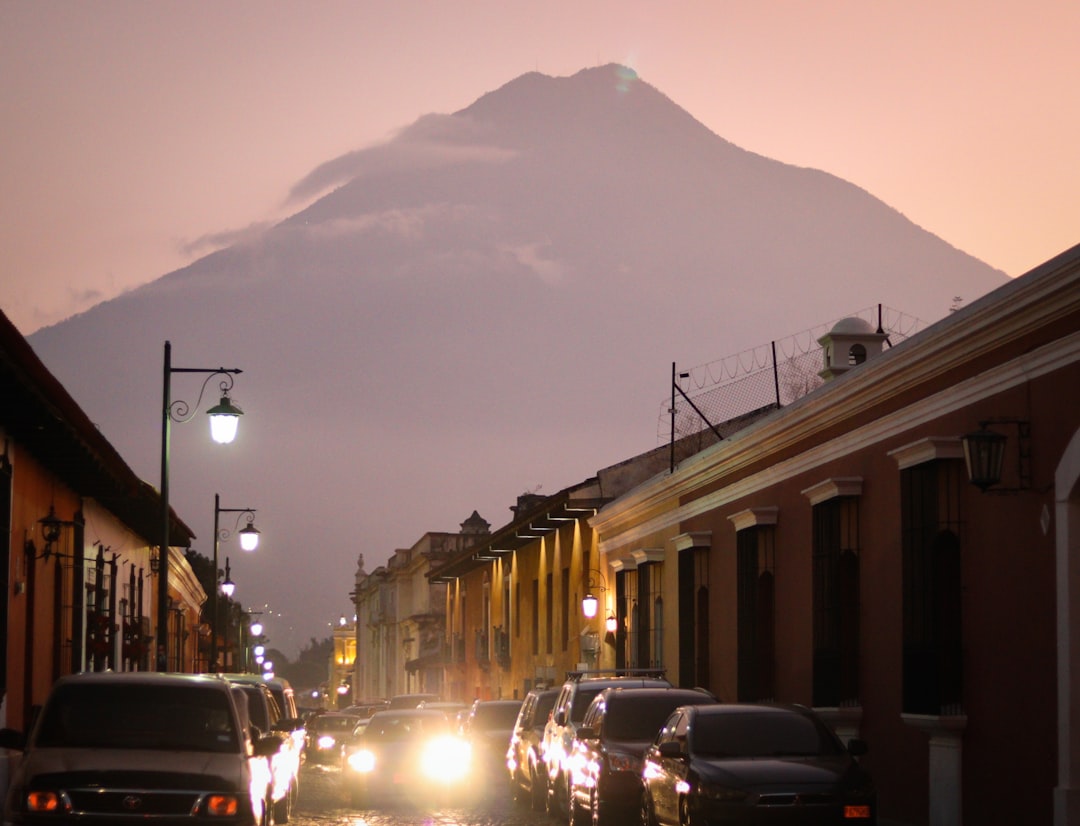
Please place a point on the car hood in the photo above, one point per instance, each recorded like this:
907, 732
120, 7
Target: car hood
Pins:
763, 773
228, 766
637, 747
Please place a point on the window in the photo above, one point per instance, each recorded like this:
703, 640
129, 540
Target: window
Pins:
836, 602
549, 606
629, 619
754, 546
536, 615
933, 641
694, 616
565, 608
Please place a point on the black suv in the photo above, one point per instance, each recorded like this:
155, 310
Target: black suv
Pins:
570, 706
607, 756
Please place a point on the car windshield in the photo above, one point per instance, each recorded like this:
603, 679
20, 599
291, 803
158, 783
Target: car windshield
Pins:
639, 718
393, 728
256, 707
582, 699
760, 734
544, 704
110, 716
335, 723
499, 716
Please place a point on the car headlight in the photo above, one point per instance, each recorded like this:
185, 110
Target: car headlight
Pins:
362, 761
721, 794
445, 759
326, 741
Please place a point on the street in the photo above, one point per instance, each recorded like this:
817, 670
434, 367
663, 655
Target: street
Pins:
322, 804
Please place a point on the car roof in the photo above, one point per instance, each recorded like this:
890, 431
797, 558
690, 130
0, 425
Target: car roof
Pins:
142, 678
434, 713
618, 694
758, 708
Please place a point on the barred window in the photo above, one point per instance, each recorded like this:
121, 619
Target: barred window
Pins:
836, 602
933, 640
756, 633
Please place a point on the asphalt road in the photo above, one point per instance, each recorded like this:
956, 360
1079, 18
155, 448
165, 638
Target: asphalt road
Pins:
322, 803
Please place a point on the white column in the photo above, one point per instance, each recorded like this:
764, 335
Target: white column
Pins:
945, 765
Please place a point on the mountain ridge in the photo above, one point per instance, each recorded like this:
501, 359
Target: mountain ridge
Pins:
487, 303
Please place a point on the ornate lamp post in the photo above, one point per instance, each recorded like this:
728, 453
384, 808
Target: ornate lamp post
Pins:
249, 541
224, 417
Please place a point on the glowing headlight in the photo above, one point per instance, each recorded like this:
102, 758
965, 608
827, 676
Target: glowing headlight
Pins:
362, 761
326, 741
445, 759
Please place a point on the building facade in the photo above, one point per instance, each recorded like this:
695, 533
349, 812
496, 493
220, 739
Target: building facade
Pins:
79, 566
836, 553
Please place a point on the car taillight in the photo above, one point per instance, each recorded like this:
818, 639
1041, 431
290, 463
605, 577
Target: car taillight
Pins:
856, 812
222, 805
38, 801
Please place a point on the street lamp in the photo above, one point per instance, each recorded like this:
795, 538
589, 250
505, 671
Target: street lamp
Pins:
249, 540
224, 417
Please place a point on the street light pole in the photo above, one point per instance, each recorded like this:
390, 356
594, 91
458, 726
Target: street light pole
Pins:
224, 410
249, 540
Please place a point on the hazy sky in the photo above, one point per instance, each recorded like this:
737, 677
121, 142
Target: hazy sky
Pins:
136, 133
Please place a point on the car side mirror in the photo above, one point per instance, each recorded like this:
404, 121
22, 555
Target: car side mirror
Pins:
670, 748
267, 746
587, 733
559, 718
857, 747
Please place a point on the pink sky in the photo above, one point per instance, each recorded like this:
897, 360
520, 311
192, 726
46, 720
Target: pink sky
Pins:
135, 132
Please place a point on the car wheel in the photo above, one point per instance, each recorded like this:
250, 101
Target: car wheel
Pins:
687, 815
283, 807
576, 815
648, 813
538, 790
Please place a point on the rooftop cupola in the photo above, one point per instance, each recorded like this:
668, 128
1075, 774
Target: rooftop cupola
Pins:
848, 344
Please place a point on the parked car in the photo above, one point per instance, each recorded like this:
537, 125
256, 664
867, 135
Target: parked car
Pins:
411, 700
292, 719
754, 764
115, 747
528, 780
570, 706
606, 758
404, 753
266, 716
455, 712
365, 708
487, 729
325, 736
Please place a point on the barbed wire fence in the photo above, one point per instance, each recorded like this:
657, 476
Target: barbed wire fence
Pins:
730, 390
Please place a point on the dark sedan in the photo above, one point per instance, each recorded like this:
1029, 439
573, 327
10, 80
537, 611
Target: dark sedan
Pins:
741, 764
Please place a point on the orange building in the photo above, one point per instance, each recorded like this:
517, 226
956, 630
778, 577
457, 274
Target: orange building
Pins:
78, 565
